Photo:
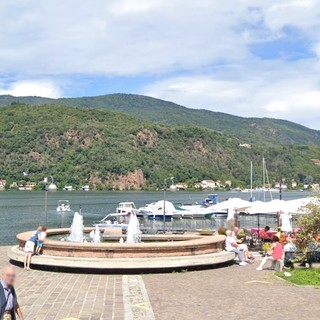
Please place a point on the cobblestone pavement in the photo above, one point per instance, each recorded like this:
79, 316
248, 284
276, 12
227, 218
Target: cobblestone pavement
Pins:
56, 296
233, 293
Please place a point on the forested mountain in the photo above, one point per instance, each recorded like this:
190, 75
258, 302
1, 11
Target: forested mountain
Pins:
263, 131
110, 149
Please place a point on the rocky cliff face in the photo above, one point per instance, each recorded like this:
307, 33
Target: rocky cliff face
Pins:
133, 180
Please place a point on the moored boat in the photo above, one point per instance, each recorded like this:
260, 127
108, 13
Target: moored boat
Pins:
63, 206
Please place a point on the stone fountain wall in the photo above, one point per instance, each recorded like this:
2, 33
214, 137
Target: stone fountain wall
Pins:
179, 245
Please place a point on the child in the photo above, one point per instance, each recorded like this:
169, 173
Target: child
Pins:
29, 248
41, 238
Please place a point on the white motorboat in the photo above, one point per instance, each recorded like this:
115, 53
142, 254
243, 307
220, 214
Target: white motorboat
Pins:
127, 208
114, 220
163, 210
197, 210
63, 206
85, 188
121, 217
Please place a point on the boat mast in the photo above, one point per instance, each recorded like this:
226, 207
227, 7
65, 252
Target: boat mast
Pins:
251, 181
268, 181
264, 178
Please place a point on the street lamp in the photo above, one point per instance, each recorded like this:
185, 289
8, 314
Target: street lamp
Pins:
164, 201
52, 187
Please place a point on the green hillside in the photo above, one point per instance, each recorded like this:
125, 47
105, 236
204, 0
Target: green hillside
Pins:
109, 149
262, 131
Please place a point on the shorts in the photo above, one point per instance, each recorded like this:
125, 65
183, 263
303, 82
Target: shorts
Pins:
29, 246
39, 244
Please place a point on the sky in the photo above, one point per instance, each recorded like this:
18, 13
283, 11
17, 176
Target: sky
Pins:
244, 57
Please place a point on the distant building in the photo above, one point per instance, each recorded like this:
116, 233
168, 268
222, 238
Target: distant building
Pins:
3, 184
294, 184
27, 186
228, 183
282, 186
316, 161
208, 184
245, 145
182, 186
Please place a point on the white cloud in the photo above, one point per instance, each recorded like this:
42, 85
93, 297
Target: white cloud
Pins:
200, 50
32, 88
117, 37
263, 90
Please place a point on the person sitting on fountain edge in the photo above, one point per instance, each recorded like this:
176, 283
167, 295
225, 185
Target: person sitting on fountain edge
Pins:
247, 255
232, 246
41, 238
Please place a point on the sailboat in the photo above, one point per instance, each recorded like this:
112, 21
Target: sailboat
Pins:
265, 182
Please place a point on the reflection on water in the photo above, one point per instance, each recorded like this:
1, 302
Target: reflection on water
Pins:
22, 211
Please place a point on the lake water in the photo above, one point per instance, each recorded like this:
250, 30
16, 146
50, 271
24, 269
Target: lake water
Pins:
23, 211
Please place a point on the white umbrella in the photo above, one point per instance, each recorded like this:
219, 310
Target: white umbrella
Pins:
259, 207
275, 206
232, 205
297, 206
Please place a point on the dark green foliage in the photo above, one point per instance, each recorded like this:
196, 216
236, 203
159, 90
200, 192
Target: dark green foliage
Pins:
248, 130
80, 146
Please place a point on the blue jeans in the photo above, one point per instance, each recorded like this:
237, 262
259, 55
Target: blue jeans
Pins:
238, 253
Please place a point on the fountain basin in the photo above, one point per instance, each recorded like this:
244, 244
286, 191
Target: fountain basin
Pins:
172, 251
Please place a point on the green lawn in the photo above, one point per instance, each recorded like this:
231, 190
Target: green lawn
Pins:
305, 277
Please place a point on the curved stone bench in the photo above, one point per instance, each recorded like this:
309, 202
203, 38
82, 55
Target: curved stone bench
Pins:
179, 251
178, 262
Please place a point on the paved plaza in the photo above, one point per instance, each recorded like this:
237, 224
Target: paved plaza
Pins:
223, 293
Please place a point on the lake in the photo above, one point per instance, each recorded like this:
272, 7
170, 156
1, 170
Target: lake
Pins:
22, 210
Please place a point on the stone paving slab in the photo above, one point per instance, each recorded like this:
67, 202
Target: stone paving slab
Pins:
47, 295
233, 293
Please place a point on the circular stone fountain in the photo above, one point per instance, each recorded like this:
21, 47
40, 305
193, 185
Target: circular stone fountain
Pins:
154, 252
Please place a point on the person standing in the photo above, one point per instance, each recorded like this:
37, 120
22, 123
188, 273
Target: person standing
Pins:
30, 246
9, 306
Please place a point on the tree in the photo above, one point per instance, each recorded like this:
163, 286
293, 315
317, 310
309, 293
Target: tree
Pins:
309, 223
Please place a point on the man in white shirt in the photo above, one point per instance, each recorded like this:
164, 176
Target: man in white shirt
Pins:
232, 246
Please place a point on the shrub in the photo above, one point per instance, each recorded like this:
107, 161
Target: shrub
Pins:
222, 231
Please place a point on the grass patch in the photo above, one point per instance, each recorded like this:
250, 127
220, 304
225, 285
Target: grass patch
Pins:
305, 277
